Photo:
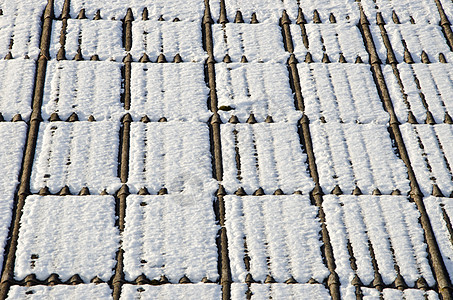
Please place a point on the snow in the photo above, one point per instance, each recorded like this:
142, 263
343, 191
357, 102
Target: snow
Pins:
393, 294
259, 88
430, 149
390, 224
174, 91
281, 234
435, 81
447, 5
80, 154
101, 37
280, 291
12, 136
16, 87
344, 11
258, 42
170, 38
266, 10
339, 92
67, 235
418, 38
422, 11
350, 155
81, 291
174, 155
200, 291
171, 235
270, 157
331, 39
84, 87
192, 10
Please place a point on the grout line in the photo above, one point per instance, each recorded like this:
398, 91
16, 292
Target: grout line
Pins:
442, 277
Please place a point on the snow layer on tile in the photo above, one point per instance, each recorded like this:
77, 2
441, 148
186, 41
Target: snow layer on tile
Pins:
447, 5
170, 38
174, 155
279, 291
261, 89
199, 291
430, 149
339, 92
263, 155
390, 224
84, 87
101, 37
79, 154
418, 38
12, 137
422, 11
350, 155
434, 87
16, 87
173, 91
67, 235
258, 42
189, 10
413, 294
281, 234
344, 11
81, 291
331, 39
266, 10
171, 235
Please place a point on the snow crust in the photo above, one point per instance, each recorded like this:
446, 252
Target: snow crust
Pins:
81, 291
170, 38
394, 294
350, 155
338, 92
174, 91
84, 87
16, 87
270, 157
259, 88
280, 291
258, 42
79, 154
389, 223
67, 235
101, 37
281, 234
430, 149
199, 291
171, 235
331, 39
174, 155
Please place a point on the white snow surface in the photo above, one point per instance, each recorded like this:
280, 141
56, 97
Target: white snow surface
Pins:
12, 136
258, 42
81, 291
16, 87
280, 291
417, 37
101, 37
199, 291
170, 38
174, 155
79, 154
435, 82
174, 91
189, 10
384, 221
171, 235
67, 235
84, 87
343, 11
394, 294
281, 234
422, 11
430, 149
447, 5
263, 155
331, 39
259, 88
350, 155
338, 92
436, 208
